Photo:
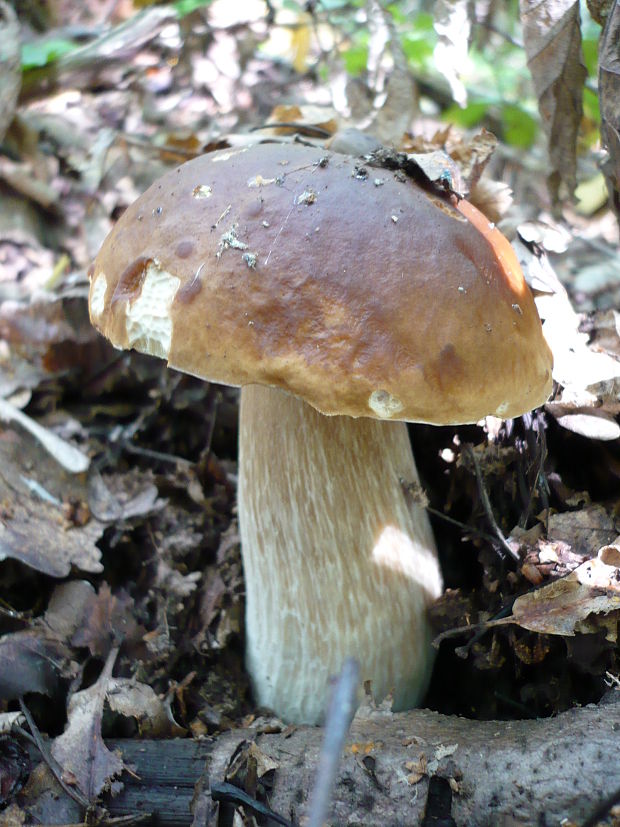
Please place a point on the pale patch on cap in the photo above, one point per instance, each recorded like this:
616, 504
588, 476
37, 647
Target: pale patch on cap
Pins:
97, 295
149, 324
384, 404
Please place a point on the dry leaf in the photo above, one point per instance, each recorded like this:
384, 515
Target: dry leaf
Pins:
609, 90
598, 574
472, 155
585, 530
119, 497
560, 607
139, 701
552, 36
311, 117
394, 117
10, 66
67, 608
416, 770
588, 400
108, 619
33, 525
594, 424
80, 749
610, 555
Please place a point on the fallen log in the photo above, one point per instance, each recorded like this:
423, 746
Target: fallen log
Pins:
500, 772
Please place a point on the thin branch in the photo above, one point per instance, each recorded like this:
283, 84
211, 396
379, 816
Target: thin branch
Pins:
339, 716
49, 759
486, 503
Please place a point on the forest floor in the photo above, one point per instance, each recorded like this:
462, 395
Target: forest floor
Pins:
122, 557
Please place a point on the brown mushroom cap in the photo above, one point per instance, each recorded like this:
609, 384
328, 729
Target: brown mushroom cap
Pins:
352, 288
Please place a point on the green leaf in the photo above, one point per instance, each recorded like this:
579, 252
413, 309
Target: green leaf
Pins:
468, 116
333, 5
185, 7
520, 128
43, 52
590, 56
419, 40
417, 49
355, 59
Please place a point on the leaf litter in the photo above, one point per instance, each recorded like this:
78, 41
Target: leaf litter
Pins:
151, 523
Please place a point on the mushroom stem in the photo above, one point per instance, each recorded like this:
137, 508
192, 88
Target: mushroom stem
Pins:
339, 561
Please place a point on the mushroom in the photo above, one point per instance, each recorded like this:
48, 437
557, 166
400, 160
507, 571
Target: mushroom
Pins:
345, 301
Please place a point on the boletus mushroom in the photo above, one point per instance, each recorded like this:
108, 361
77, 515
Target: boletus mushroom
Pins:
345, 301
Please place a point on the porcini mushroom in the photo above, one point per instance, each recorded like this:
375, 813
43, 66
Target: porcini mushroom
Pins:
345, 302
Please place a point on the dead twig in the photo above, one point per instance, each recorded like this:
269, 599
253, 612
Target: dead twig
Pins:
486, 504
224, 792
49, 759
339, 716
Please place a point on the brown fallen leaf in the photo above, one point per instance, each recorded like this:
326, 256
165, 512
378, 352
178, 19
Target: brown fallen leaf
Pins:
80, 749
136, 700
67, 607
560, 607
599, 574
250, 766
587, 402
609, 90
120, 497
585, 530
472, 155
610, 554
33, 527
552, 37
305, 119
10, 66
107, 620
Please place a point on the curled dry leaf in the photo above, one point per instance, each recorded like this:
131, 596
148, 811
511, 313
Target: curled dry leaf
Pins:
108, 619
552, 36
67, 608
598, 574
80, 749
399, 107
585, 530
441, 170
562, 607
33, 525
136, 700
609, 89
120, 497
305, 120
610, 555
587, 402
10, 66
248, 765
455, 163
473, 155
